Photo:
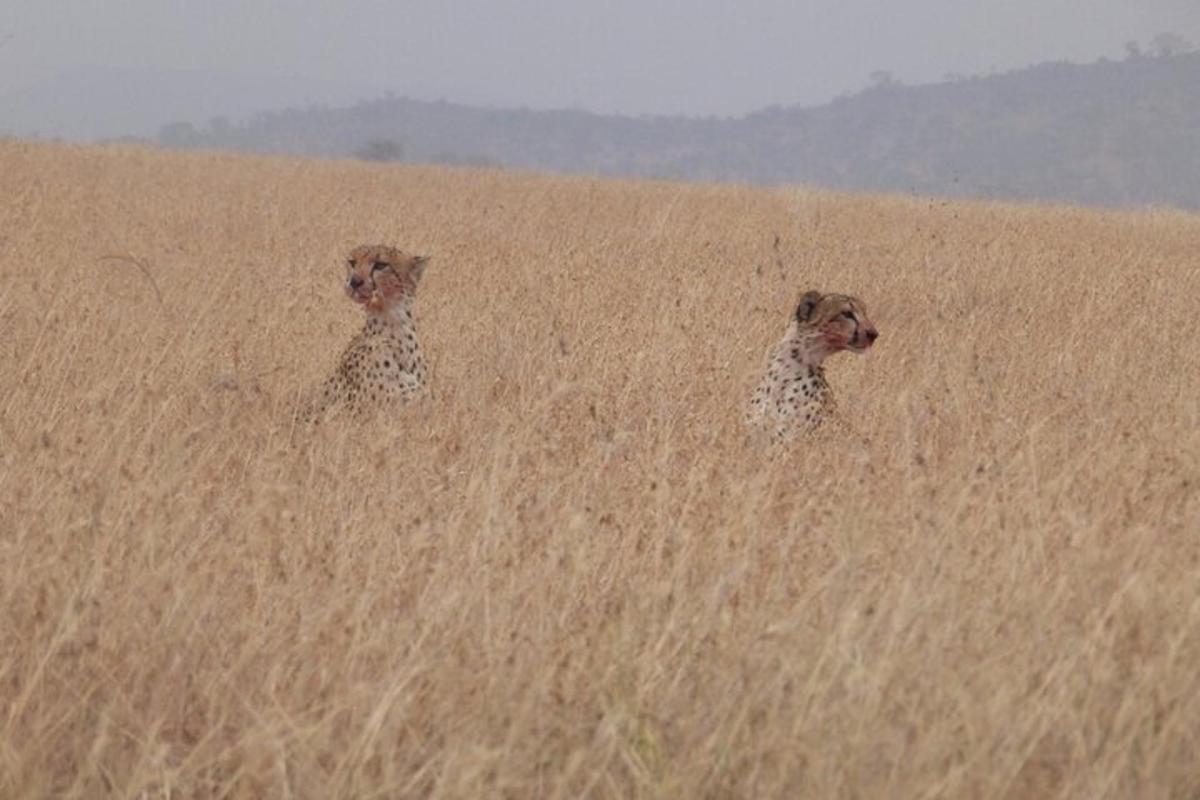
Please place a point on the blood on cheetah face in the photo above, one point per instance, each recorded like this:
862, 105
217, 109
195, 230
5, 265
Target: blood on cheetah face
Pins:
839, 320
377, 277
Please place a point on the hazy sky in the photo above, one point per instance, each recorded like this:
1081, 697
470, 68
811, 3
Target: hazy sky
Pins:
665, 56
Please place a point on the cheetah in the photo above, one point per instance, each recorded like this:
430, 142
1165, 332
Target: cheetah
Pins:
794, 395
383, 364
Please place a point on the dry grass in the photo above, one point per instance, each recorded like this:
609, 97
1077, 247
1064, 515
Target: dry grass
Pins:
568, 574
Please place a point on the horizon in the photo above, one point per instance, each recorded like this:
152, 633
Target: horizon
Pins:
317, 99
624, 59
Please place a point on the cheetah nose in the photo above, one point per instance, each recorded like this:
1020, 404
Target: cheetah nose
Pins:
872, 335
355, 282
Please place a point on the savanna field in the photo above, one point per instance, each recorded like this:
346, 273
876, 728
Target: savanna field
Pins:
568, 572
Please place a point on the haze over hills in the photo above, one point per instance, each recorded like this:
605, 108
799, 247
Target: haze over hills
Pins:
1113, 133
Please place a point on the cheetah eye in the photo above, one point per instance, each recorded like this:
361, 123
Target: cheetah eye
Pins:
378, 265
850, 316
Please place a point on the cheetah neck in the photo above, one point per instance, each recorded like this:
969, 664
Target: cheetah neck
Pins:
398, 314
396, 325
805, 350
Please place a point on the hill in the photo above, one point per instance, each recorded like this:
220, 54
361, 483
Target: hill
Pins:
1113, 133
568, 573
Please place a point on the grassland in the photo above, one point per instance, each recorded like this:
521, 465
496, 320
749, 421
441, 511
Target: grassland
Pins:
568, 573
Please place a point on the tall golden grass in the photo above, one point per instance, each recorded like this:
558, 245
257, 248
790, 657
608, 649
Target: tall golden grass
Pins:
568, 573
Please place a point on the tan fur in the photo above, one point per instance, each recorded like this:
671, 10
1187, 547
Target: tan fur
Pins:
383, 365
794, 396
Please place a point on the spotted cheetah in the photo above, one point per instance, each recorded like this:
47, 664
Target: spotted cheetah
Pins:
794, 395
383, 364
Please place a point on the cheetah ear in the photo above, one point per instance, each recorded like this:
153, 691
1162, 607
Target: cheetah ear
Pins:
808, 304
418, 267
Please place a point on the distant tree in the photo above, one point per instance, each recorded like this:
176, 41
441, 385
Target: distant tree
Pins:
178, 134
383, 150
1165, 45
1133, 50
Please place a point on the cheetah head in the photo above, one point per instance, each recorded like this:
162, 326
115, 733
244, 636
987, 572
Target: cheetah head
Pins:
378, 277
837, 321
